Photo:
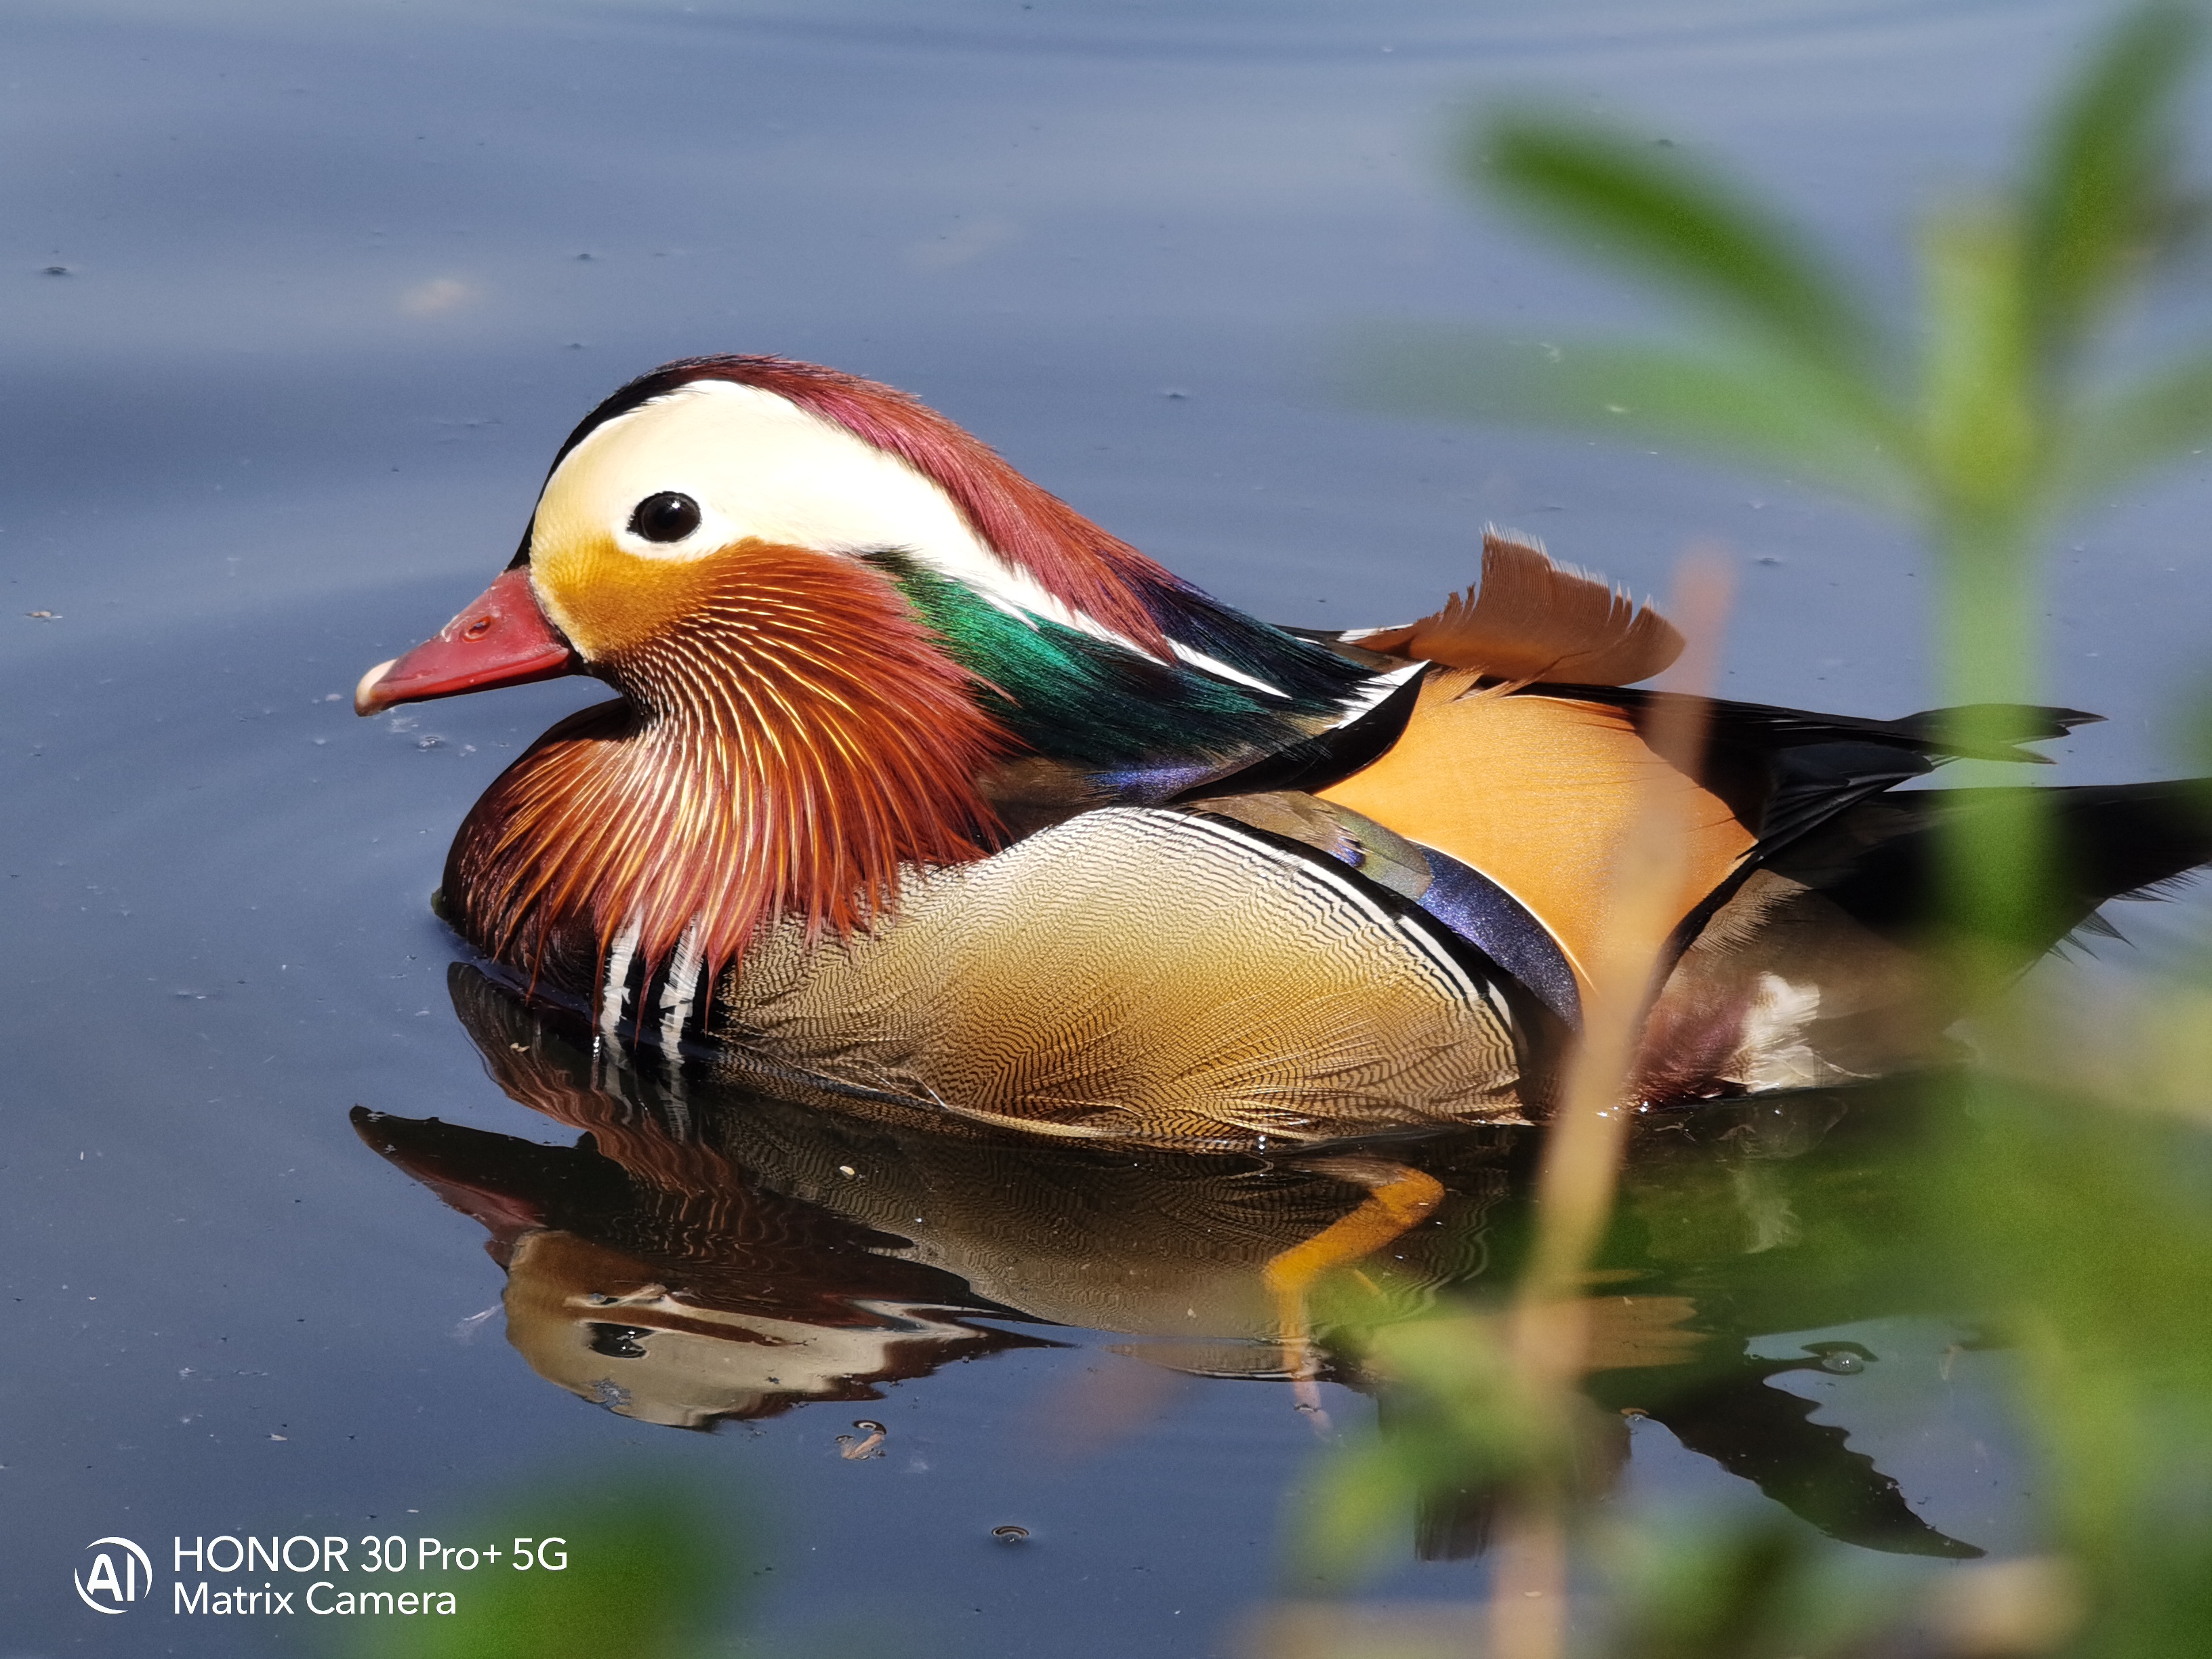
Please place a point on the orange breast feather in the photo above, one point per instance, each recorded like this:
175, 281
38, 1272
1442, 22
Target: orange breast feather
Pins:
1538, 793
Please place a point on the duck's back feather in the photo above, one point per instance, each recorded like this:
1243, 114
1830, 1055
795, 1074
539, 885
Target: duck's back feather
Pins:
1538, 795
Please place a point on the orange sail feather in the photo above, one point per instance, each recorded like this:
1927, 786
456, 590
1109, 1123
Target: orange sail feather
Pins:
1533, 619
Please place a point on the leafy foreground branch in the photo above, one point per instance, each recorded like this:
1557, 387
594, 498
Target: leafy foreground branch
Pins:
2060, 1203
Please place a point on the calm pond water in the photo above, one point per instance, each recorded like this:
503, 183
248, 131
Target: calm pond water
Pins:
300, 301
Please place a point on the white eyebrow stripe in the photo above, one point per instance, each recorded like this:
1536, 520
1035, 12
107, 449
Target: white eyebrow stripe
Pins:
1215, 666
1012, 610
761, 465
1190, 654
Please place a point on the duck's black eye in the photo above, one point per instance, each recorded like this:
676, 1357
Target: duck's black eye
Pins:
667, 517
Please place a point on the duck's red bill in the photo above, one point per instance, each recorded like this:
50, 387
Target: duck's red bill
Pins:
503, 639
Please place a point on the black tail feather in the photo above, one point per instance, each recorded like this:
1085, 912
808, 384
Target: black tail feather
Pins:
2105, 841
2000, 727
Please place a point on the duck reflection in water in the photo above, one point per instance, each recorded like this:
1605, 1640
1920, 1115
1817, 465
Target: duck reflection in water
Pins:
705, 1251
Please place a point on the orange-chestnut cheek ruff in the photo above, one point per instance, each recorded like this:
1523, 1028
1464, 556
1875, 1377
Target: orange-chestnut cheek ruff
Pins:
790, 736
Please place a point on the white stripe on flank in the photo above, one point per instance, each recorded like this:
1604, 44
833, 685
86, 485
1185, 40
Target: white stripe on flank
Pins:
1431, 947
678, 995
616, 991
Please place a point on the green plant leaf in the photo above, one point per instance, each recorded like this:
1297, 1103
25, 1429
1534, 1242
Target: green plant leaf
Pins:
1356, 1509
1741, 1593
1658, 217
1757, 409
2138, 427
647, 1564
2055, 1200
2101, 197
1983, 436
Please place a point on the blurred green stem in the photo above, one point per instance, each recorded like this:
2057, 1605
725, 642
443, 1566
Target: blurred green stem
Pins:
1983, 446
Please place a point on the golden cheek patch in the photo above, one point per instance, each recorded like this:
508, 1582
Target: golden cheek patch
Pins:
609, 602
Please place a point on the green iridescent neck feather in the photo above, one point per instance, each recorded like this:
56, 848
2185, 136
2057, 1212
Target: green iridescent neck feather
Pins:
1088, 702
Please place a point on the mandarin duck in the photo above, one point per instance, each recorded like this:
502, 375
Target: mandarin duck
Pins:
924, 795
